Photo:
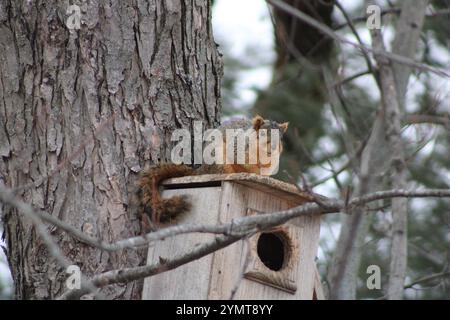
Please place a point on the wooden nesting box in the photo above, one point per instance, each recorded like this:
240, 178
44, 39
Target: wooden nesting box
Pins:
280, 263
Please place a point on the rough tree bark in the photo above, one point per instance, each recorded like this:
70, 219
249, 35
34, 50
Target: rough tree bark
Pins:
407, 35
90, 108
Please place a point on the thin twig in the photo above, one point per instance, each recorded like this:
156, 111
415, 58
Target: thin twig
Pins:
428, 278
241, 226
131, 274
351, 78
370, 67
263, 221
396, 11
7, 197
330, 32
433, 119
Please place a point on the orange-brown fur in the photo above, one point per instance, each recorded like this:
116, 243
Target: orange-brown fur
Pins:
151, 202
165, 210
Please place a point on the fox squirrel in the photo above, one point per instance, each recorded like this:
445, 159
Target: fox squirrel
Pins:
161, 210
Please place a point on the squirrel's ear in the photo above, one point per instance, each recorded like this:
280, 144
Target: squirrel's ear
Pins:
257, 121
284, 126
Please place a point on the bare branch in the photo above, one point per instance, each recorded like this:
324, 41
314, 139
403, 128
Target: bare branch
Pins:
428, 193
344, 166
407, 35
330, 32
351, 78
261, 221
431, 257
421, 280
358, 38
238, 227
428, 278
393, 79
384, 12
364, 18
7, 197
131, 274
433, 119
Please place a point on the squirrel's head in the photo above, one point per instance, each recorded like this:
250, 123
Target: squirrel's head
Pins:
274, 148
261, 123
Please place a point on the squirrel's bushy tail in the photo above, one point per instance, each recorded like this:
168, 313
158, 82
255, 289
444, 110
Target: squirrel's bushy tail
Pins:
151, 202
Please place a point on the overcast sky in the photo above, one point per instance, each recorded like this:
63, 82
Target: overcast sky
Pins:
246, 25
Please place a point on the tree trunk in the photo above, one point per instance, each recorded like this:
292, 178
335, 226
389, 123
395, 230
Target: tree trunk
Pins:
297, 92
83, 111
383, 156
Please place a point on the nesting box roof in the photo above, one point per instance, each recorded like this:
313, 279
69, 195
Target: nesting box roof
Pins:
264, 183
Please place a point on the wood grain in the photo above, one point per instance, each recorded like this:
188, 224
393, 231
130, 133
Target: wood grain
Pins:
267, 184
219, 199
189, 281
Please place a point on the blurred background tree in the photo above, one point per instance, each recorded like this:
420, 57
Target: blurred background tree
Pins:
328, 127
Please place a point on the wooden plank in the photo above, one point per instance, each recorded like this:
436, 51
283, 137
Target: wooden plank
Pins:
189, 281
227, 263
219, 199
304, 275
309, 227
285, 278
267, 184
